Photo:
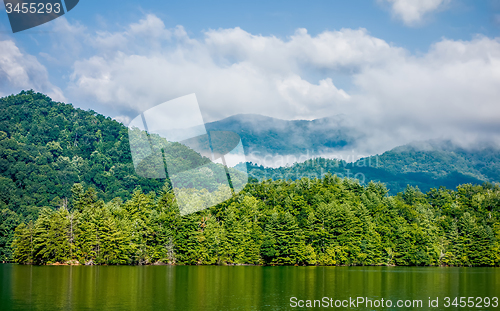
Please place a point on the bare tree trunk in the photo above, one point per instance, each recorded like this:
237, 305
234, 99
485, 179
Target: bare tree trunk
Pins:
170, 251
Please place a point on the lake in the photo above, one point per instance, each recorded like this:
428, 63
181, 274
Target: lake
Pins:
242, 287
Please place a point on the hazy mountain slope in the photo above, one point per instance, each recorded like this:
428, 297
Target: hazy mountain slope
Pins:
427, 165
267, 135
440, 158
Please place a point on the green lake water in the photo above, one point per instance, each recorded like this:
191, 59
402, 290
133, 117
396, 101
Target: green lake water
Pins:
238, 287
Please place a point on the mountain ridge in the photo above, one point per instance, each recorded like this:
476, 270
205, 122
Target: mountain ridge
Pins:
65, 137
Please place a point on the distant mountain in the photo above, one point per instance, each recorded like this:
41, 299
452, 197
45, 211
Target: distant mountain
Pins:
428, 164
440, 158
267, 135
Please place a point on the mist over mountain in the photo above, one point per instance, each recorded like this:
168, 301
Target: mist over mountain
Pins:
328, 145
263, 135
425, 164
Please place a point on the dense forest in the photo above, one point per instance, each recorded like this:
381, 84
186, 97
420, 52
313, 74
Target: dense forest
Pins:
329, 221
69, 193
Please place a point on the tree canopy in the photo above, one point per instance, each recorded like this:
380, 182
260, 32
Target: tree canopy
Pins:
329, 221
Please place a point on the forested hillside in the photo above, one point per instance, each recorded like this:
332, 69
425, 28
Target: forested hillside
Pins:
331, 221
439, 159
427, 164
47, 147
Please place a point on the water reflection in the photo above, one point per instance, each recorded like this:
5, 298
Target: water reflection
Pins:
229, 288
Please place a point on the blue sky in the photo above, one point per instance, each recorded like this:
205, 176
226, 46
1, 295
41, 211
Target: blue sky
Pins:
280, 18
427, 68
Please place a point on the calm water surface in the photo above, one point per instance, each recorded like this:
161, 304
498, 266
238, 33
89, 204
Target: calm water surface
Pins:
232, 288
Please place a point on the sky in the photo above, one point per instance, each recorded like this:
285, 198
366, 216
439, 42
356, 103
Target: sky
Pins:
398, 70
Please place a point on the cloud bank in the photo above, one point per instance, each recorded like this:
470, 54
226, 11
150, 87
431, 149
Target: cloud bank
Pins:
230, 70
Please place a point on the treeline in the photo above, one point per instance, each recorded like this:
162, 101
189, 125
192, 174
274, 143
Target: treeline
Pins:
328, 221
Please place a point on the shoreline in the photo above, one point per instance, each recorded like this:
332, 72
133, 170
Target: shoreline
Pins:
240, 265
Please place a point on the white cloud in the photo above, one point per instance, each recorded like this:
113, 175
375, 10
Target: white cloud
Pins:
330, 49
305, 97
19, 70
69, 41
452, 91
151, 26
412, 12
